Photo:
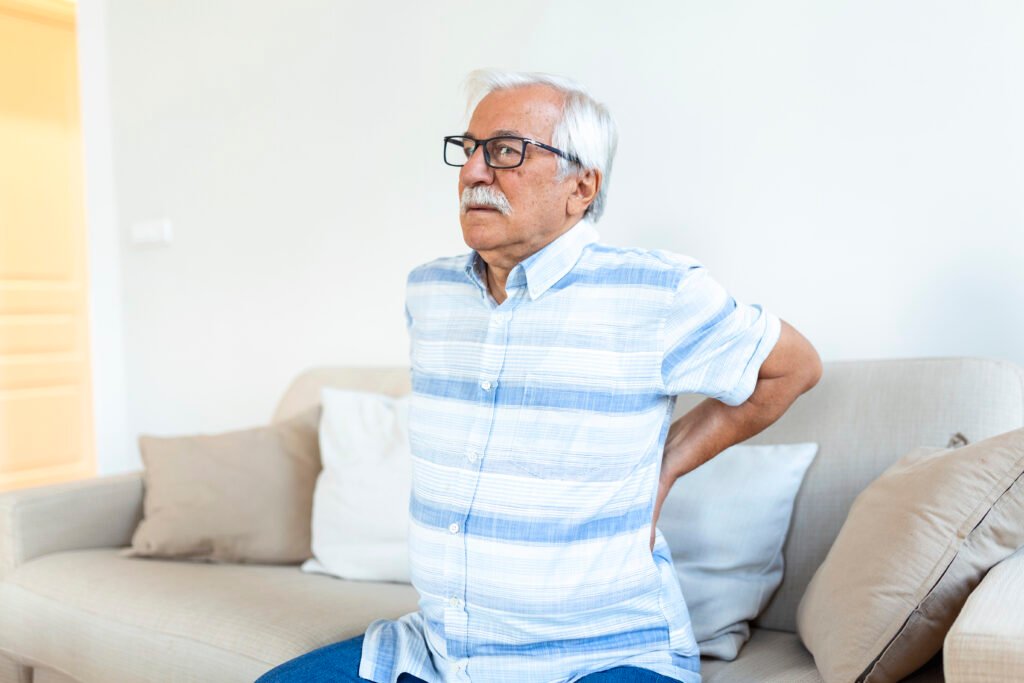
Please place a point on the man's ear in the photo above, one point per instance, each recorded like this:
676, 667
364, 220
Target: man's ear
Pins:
587, 184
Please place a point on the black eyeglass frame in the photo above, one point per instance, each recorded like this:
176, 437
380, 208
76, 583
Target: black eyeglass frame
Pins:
487, 155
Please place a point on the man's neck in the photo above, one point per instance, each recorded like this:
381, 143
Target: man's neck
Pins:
496, 279
497, 275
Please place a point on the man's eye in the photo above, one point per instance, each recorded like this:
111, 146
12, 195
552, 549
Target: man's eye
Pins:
505, 150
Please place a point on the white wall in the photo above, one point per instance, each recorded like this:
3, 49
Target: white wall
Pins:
857, 167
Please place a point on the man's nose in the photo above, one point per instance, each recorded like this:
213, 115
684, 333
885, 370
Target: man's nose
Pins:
476, 171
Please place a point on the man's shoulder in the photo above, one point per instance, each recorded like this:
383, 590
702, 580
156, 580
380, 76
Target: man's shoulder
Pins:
670, 266
440, 268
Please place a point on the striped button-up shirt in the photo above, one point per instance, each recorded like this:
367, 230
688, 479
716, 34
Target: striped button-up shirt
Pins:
537, 430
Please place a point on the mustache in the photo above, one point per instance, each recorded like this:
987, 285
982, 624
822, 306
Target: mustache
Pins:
485, 195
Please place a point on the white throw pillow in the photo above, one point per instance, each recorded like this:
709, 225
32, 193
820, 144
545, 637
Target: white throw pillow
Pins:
360, 524
725, 523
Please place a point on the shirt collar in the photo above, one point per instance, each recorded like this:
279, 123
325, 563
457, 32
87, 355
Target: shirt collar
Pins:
541, 270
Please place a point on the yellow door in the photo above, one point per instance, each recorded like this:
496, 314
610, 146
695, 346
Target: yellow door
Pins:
45, 398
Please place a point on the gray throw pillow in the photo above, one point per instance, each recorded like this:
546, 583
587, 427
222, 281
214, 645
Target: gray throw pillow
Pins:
726, 523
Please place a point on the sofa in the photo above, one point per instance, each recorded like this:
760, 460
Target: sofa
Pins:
72, 609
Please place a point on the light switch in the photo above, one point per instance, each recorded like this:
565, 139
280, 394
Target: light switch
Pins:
156, 231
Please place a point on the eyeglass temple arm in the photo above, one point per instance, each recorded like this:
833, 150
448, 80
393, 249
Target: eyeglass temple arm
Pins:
555, 150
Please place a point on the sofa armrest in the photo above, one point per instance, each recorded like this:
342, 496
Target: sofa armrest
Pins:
101, 512
986, 642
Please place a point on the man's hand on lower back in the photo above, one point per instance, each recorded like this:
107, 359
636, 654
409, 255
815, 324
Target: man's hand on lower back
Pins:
676, 460
663, 489
711, 426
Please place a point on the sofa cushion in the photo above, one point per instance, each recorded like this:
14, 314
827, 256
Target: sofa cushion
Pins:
239, 496
779, 657
767, 656
916, 543
100, 617
45, 675
984, 643
93, 612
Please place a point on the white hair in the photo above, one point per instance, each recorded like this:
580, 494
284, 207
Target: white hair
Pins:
585, 130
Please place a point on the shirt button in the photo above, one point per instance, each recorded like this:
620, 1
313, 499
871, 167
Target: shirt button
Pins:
453, 527
455, 602
472, 455
499, 318
485, 385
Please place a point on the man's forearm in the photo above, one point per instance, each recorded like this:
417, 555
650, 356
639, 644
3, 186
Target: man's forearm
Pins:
711, 426
792, 368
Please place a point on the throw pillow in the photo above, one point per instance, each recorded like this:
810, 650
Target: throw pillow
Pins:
242, 496
726, 522
914, 545
361, 502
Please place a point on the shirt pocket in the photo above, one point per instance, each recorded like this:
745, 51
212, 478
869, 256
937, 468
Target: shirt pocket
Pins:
553, 438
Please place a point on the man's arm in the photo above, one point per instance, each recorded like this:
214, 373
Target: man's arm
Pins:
792, 367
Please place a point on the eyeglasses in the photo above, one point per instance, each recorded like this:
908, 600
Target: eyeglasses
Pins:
504, 151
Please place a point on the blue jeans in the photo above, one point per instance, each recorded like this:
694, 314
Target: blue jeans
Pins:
339, 663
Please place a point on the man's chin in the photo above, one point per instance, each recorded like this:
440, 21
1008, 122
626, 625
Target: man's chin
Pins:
482, 229
482, 220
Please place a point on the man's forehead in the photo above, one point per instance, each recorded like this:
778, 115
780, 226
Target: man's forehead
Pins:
527, 111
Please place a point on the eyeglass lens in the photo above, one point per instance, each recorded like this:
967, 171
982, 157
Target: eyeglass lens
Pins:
502, 152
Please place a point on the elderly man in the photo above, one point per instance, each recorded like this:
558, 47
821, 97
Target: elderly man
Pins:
545, 367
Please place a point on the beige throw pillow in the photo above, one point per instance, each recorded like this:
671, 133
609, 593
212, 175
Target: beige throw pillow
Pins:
243, 496
914, 545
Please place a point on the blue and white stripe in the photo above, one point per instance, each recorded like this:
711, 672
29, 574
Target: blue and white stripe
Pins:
537, 428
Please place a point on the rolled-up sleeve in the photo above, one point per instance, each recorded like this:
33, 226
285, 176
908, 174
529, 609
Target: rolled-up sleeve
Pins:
714, 345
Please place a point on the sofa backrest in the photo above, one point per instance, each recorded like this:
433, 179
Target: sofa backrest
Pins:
864, 414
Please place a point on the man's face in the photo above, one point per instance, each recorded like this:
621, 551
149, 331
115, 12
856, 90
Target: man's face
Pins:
538, 201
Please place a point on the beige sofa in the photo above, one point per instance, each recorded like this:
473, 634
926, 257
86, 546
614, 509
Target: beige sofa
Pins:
71, 609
